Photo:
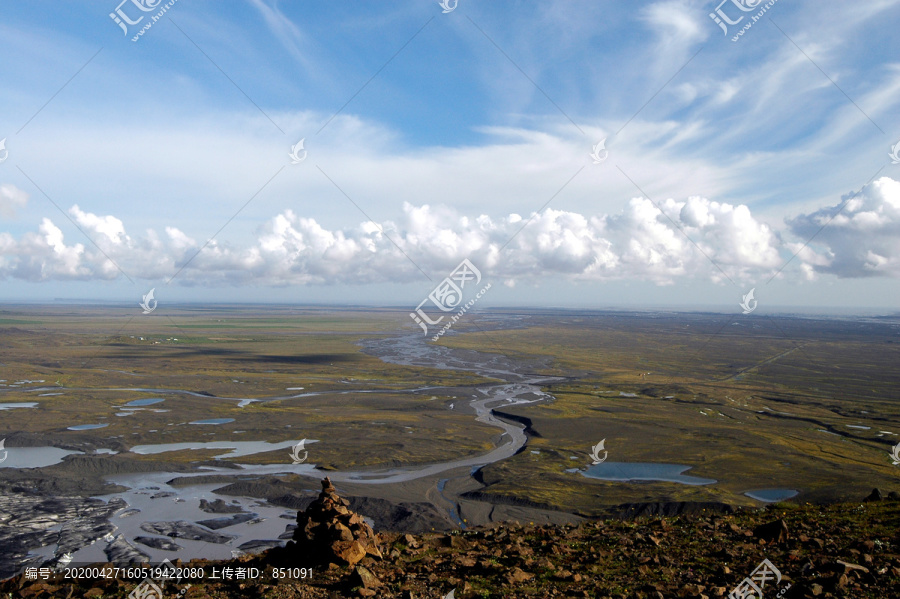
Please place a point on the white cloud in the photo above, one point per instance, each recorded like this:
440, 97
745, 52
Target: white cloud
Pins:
109, 228
676, 24
45, 256
690, 238
285, 31
860, 240
11, 198
639, 242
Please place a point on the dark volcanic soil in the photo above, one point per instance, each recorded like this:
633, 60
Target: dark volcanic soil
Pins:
837, 551
412, 517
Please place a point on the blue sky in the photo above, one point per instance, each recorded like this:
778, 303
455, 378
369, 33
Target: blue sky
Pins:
432, 137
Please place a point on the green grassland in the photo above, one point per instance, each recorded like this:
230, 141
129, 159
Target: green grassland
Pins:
753, 402
92, 356
745, 404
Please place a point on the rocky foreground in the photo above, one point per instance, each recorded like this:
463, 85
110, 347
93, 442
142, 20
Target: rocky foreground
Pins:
846, 550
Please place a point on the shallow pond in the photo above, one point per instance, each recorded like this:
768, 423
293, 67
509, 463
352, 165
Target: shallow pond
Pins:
772, 495
238, 448
33, 457
628, 471
22, 404
144, 402
213, 421
87, 427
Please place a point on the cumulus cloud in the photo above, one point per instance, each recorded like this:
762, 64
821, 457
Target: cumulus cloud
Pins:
642, 241
858, 237
692, 237
11, 198
43, 256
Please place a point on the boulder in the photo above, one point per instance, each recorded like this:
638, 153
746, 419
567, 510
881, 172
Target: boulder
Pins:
363, 577
772, 532
875, 495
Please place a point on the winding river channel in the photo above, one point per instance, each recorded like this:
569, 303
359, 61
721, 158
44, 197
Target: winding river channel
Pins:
150, 499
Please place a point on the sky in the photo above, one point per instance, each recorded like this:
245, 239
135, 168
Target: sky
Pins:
588, 154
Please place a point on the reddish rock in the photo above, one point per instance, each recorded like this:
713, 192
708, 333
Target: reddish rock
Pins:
363, 577
517, 575
328, 532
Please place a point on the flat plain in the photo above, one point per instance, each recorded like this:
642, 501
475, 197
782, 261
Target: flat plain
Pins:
747, 403
754, 402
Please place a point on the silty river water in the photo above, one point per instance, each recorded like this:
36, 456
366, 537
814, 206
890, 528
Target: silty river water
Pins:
150, 499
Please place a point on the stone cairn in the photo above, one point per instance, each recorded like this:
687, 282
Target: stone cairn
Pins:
328, 532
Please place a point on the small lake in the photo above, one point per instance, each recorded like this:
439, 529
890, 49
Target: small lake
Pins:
772, 495
238, 448
33, 457
629, 471
87, 427
23, 404
144, 402
213, 421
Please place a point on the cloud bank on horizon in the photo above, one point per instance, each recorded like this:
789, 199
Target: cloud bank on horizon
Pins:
691, 238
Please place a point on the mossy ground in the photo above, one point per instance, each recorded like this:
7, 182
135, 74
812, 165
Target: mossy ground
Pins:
752, 403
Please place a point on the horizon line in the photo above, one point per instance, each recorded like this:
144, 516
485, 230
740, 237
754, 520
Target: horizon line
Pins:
774, 309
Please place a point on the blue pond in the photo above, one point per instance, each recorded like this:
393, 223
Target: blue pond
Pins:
144, 402
771, 495
627, 471
34, 457
213, 421
86, 427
